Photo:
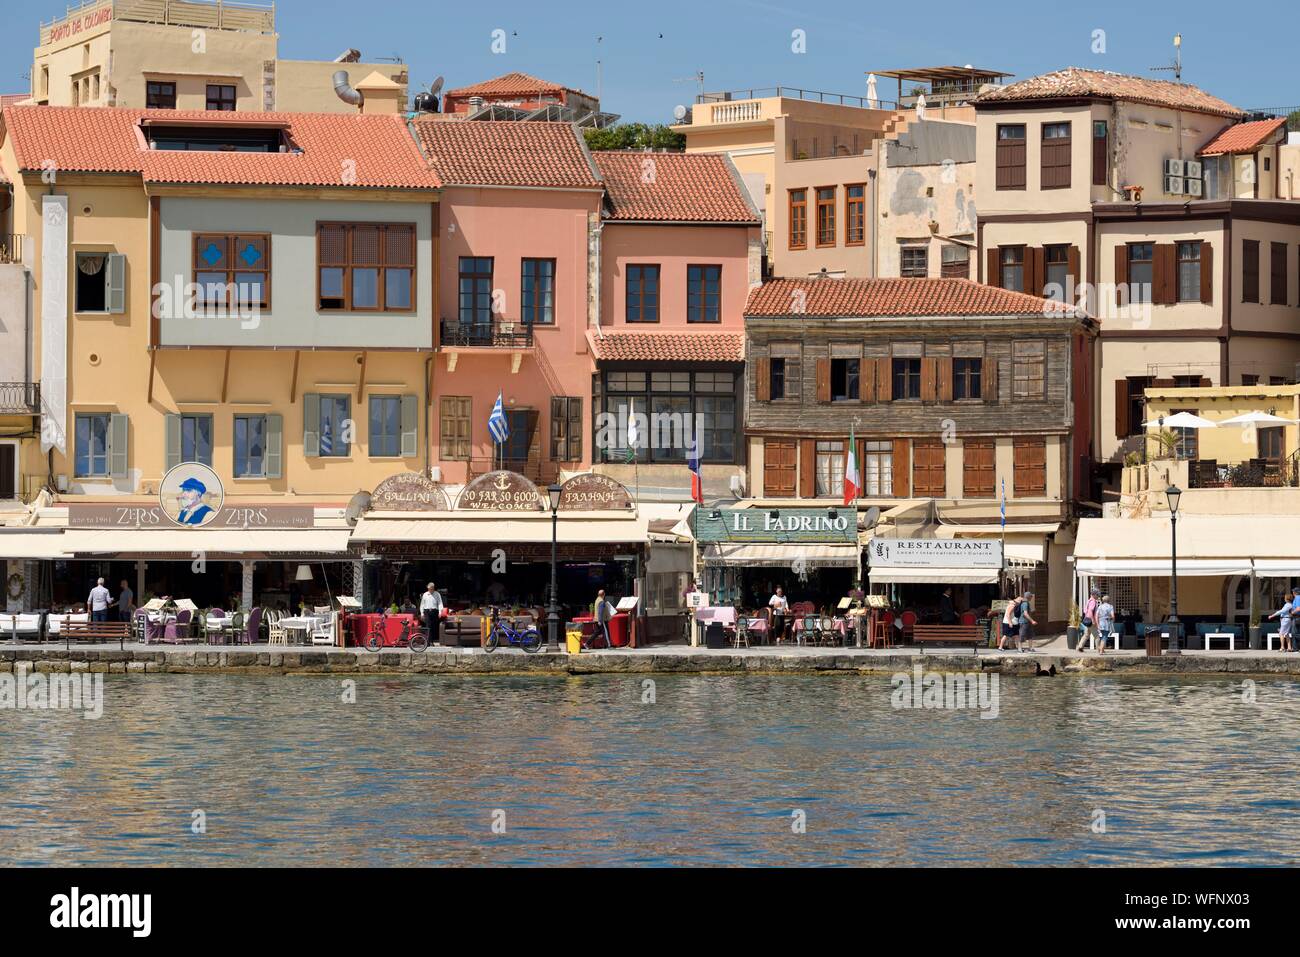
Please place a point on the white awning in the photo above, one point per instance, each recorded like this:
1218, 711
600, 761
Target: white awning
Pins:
31, 544
1208, 545
935, 576
580, 527
732, 553
1024, 553
1272, 568
184, 542
1156, 567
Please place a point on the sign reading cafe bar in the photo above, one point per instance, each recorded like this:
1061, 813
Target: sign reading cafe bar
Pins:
935, 553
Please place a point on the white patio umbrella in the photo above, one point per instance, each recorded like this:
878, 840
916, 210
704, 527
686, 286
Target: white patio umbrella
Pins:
1181, 420
873, 100
1257, 418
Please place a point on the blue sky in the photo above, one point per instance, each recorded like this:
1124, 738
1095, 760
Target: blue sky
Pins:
1247, 60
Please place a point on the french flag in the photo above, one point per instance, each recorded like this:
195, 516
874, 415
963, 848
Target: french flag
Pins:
697, 480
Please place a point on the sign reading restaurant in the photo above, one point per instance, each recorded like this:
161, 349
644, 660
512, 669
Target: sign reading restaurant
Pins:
839, 526
935, 553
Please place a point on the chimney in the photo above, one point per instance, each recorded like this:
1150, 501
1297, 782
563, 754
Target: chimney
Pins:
381, 94
475, 104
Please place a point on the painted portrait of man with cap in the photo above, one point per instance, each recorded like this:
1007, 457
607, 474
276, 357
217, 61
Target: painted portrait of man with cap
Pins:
193, 509
191, 494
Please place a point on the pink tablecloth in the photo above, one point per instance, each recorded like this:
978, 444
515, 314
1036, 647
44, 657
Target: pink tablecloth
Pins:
838, 624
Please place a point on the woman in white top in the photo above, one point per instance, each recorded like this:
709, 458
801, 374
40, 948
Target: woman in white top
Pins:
780, 605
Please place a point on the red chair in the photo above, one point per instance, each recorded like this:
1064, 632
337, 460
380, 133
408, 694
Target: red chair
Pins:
968, 618
909, 619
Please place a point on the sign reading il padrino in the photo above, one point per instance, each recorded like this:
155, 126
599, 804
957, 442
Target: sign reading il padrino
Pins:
837, 526
409, 492
935, 553
501, 492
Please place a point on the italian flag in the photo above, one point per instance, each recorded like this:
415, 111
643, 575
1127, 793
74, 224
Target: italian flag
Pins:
852, 484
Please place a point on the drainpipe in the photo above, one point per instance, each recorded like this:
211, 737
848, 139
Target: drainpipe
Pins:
875, 219
428, 437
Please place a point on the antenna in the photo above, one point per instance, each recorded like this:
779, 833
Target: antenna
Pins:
1176, 68
698, 79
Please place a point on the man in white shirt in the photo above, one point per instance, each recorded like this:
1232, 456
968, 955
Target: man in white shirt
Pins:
98, 602
431, 611
780, 605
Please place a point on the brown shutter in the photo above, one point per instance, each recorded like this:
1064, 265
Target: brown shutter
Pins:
763, 385
1072, 270
929, 380
823, 369
989, 379
1207, 272
902, 468
779, 467
1121, 265
1165, 268
884, 380
1162, 383
945, 380
1029, 476
807, 468
1035, 276
1122, 424
993, 274
1205, 382
867, 381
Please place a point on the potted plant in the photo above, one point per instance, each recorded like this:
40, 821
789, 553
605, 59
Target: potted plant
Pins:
1256, 633
1072, 630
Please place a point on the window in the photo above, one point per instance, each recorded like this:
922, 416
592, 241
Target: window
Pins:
826, 216
913, 261
1013, 267
966, 376
1277, 291
877, 469
195, 435
539, 292
1137, 386
566, 428
1188, 381
385, 426
1189, 272
855, 214
642, 293
1056, 261
1141, 271
1186, 445
100, 283
844, 380
232, 271
1028, 360
929, 469
366, 267
454, 428
978, 468
327, 421
1248, 378
717, 421
703, 293
9, 476
221, 97
1271, 444
798, 219
954, 262
1100, 153
682, 407
776, 377
1029, 458
907, 379
1250, 270
216, 139
160, 96
1055, 156
1010, 156
475, 290
830, 468
250, 446
91, 459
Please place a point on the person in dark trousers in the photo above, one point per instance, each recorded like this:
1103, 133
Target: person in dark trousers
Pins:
947, 613
125, 599
604, 611
1027, 623
98, 601
431, 611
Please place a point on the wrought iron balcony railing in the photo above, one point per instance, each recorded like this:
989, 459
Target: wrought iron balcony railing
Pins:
494, 334
20, 398
11, 248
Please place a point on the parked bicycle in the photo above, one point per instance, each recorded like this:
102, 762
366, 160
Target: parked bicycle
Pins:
503, 633
411, 635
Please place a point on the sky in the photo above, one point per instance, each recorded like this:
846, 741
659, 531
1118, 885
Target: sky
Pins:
651, 51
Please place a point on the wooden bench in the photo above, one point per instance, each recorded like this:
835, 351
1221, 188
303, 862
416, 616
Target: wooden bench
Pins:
117, 631
972, 635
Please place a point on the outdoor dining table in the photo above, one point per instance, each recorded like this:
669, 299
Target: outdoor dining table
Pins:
224, 627
293, 625
839, 626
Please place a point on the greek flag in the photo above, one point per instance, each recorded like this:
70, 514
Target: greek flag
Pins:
497, 424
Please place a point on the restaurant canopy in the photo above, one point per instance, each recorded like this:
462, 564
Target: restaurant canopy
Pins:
771, 554
183, 542
1208, 545
506, 527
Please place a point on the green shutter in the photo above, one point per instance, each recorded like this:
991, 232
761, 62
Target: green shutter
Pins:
273, 461
410, 436
116, 266
311, 425
118, 437
172, 442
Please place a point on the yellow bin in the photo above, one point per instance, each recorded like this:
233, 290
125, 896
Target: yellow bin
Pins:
573, 642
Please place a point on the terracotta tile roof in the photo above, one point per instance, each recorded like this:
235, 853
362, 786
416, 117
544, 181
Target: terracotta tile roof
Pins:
377, 149
694, 187
872, 298
1243, 137
512, 84
1076, 82
13, 99
668, 346
507, 153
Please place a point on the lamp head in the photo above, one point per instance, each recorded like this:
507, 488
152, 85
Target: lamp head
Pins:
553, 492
1173, 494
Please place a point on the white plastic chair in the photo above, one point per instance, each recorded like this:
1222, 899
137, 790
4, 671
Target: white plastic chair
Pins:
275, 633
323, 632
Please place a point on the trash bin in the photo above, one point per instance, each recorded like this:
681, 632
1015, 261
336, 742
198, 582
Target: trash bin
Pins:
1153, 643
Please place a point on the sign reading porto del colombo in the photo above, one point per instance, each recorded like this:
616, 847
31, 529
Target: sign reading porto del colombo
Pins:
935, 553
829, 525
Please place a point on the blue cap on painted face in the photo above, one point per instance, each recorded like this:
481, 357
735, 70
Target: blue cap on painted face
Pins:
193, 485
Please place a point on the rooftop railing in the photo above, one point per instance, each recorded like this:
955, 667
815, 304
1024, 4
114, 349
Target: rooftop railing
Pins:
494, 334
207, 14
795, 93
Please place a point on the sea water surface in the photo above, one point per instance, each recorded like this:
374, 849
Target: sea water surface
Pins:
716, 770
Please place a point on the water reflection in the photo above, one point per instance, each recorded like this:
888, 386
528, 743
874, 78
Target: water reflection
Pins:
1186, 772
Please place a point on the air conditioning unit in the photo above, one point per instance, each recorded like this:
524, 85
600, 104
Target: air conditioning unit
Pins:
1195, 187
1175, 167
1193, 169
1174, 185
737, 484
435, 473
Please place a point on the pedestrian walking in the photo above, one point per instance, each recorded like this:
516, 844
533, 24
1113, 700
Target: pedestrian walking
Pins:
780, 606
604, 612
1286, 614
1105, 621
431, 611
1010, 625
1027, 623
1089, 621
99, 601
125, 600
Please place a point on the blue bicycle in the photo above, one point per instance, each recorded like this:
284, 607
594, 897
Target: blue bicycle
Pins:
503, 634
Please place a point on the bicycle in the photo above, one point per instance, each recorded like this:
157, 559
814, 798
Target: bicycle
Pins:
411, 636
528, 639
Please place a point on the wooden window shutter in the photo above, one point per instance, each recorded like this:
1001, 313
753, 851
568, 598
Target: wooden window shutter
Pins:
1072, 267
171, 442
989, 379
115, 263
823, 370
884, 380
902, 468
929, 380
1162, 383
763, 382
867, 383
1165, 269
1207, 272
978, 468
945, 380
1278, 295
1121, 265
929, 469
993, 272
410, 427
273, 460
534, 438
1035, 278
1122, 424
807, 468
311, 424
118, 439
1250, 270
1030, 473
778, 467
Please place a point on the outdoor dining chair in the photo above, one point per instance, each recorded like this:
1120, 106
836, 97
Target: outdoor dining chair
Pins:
252, 628
275, 634
177, 630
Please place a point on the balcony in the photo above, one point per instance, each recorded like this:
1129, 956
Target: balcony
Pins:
1253, 473
20, 398
11, 248
496, 334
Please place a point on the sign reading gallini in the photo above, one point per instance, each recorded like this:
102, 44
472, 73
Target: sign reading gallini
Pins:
590, 492
501, 491
409, 492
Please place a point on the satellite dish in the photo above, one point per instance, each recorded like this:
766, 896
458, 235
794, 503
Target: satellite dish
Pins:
436, 86
872, 518
358, 505
679, 112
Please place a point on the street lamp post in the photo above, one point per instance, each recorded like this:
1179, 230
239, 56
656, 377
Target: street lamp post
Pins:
553, 611
1173, 494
